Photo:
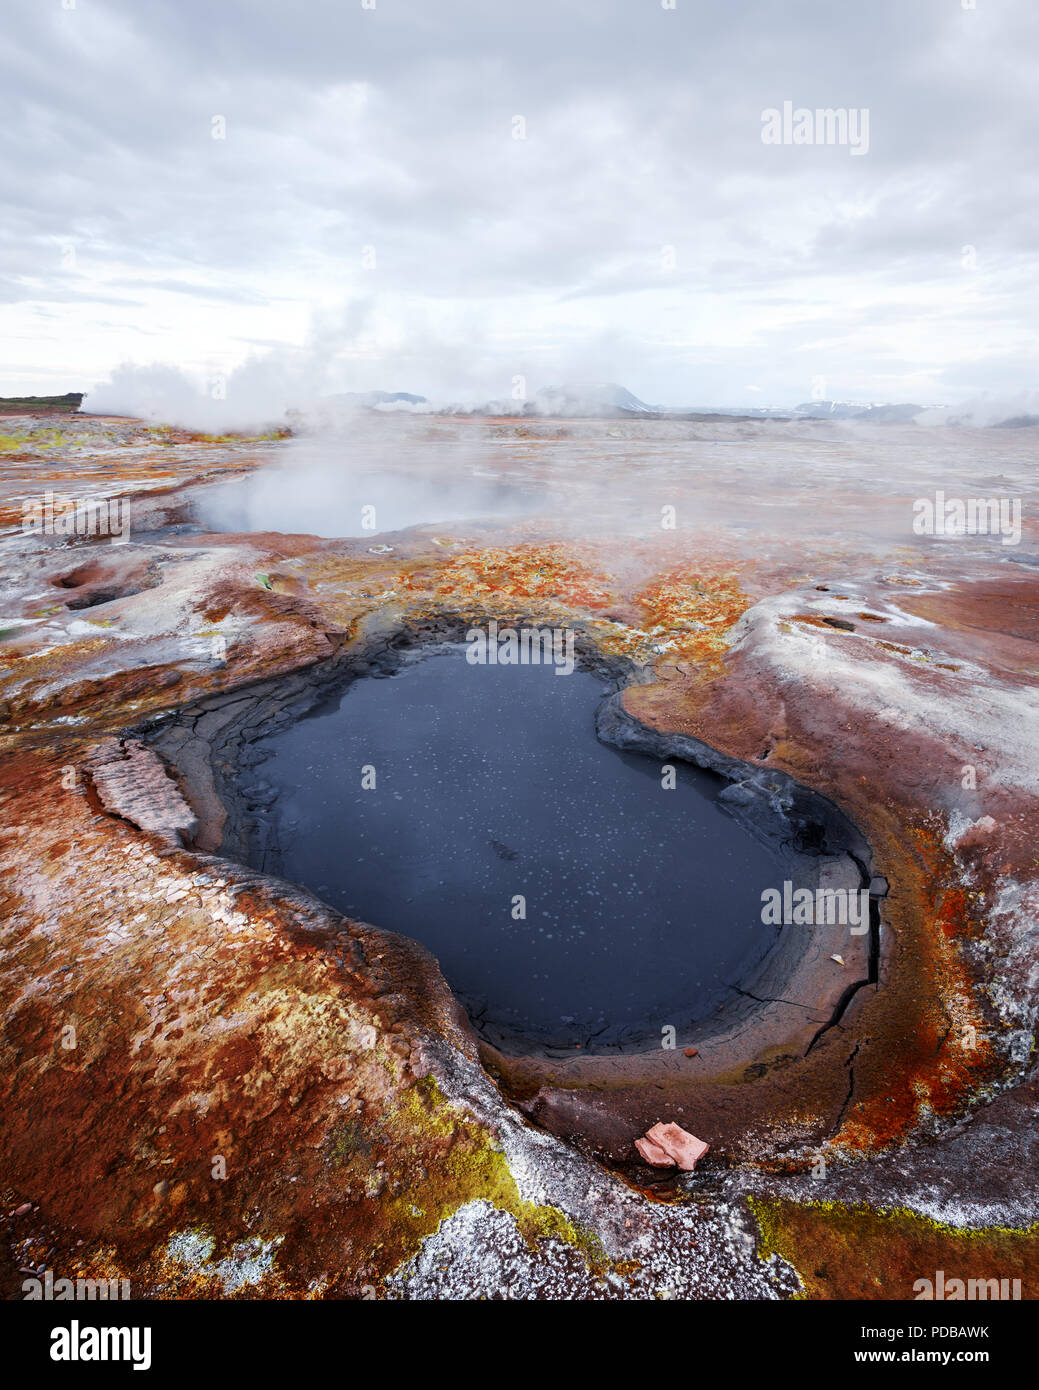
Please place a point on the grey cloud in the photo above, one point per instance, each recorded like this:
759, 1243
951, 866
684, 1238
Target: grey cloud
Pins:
391, 129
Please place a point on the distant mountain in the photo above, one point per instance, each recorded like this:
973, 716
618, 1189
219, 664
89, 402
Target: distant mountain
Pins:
984, 412
598, 398
857, 410
807, 410
611, 401
1017, 422
41, 405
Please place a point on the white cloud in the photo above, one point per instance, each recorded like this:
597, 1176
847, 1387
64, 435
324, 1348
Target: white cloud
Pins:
369, 160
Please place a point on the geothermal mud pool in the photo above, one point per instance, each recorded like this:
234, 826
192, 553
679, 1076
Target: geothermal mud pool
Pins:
426, 800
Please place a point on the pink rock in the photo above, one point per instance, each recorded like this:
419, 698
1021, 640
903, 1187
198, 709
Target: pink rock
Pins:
666, 1145
654, 1154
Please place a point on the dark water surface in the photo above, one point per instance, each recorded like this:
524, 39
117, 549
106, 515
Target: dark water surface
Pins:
641, 903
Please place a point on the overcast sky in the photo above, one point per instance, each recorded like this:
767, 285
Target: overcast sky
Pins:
370, 219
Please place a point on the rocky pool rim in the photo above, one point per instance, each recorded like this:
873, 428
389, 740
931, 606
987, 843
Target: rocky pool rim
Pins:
774, 801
